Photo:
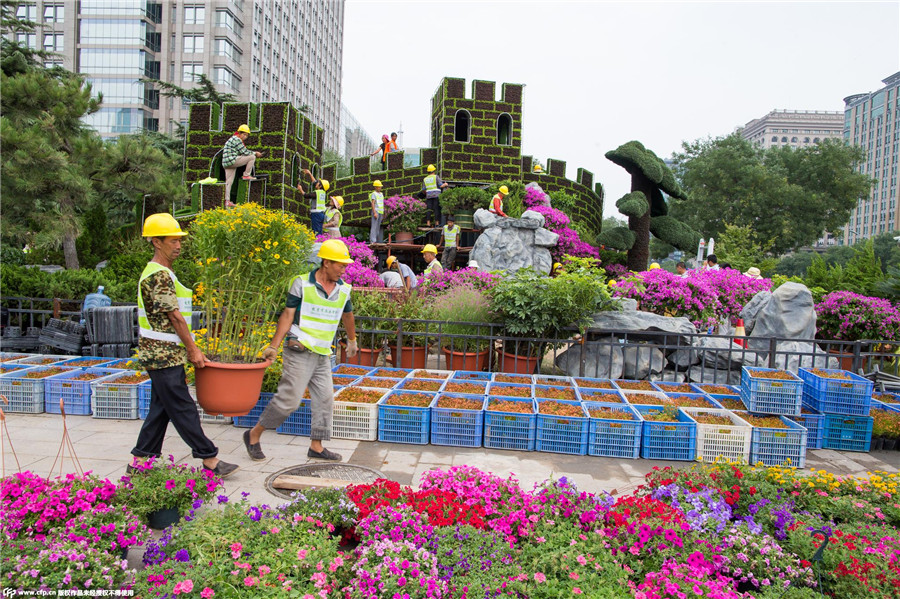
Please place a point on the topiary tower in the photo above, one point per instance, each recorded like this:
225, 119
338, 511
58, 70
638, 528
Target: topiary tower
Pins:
649, 178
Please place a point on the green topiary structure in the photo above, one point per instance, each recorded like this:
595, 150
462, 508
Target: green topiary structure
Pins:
646, 207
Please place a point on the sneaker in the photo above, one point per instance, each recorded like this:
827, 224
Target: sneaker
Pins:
249, 178
223, 469
254, 449
325, 454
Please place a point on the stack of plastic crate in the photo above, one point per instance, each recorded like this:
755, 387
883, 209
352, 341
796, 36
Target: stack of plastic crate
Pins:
844, 399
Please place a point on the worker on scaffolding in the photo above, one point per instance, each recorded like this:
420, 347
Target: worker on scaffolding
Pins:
235, 155
432, 187
376, 199
449, 239
497, 202
334, 217
318, 201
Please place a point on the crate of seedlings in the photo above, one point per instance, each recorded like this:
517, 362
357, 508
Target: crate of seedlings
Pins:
721, 433
250, 419
421, 385
554, 392
509, 423
588, 383
601, 395
457, 419
471, 375
44, 360
887, 401
729, 402
372, 382
423, 373
123, 363
121, 396
73, 388
626, 385
352, 370
343, 380
776, 440
552, 380
510, 390
614, 430
11, 357
4, 368
667, 434
771, 391
646, 398
405, 417
88, 362
298, 422
466, 386
693, 400
812, 421
836, 391
670, 387
561, 427
713, 389
25, 388
355, 414
847, 433
518, 379
389, 373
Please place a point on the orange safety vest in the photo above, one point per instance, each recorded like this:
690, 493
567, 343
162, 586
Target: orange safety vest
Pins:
393, 146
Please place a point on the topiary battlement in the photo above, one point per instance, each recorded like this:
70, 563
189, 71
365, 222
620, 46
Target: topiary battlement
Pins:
475, 139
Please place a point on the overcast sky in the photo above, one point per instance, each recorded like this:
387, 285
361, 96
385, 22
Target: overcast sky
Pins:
598, 74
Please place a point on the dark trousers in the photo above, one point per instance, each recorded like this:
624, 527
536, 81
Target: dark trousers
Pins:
171, 401
434, 206
317, 219
448, 258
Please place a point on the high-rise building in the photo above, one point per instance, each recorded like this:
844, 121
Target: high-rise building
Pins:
257, 50
795, 128
870, 121
354, 141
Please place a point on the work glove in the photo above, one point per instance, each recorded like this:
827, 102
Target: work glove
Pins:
270, 353
352, 348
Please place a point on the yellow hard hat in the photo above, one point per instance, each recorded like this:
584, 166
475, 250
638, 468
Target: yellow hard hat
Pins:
338, 200
612, 283
537, 168
335, 250
162, 224
556, 265
654, 266
504, 189
390, 260
431, 168
243, 129
377, 183
429, 248
325, 184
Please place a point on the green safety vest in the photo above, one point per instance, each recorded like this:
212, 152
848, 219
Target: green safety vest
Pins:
450, 235
329, 214
378, 198
320, 201
185, 305
319, 318
431, 183
435, 266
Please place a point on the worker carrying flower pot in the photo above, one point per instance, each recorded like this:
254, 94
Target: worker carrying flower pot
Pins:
429, 252
318, 201
235, 155
164, 316
497, 201
432, 185
315, 305
406, 273
334, 217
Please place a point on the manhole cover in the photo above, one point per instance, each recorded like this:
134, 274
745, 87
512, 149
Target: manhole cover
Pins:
349, 472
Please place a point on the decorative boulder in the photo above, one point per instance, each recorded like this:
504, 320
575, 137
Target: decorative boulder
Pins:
642, 360
751, 310
789, 314
634, 322
602, 360
510, 244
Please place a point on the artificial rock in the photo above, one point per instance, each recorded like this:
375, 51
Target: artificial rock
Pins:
510, 244
641, 360
602, 360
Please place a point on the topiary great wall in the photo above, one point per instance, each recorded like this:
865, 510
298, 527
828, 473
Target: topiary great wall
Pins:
475, 140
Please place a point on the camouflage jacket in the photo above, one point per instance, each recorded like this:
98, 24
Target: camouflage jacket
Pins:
158, 292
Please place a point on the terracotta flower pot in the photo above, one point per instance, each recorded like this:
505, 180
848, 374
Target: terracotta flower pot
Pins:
363, 357
410, 357
229, 389
406, 237
457, 360
517, 364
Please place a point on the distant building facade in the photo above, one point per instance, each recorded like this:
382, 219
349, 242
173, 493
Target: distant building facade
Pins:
795, 128
354, 140
870, 121
258, 50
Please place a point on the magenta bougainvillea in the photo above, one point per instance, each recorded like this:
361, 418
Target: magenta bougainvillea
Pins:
569, 242
848, 316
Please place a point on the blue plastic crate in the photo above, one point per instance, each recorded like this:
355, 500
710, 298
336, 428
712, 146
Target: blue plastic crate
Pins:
667, 440
847, 433
551, 391
777, 446
252, 417
44, 360
601, 395
471, 375
552, 380
729, 402
509, 430
457, 427
298, 422
385, 372
668, 387
586, 383
561, 434
851, 395
75, 395
482, 386
11, 356
626, 385
436, 383
374, 382
813, 422
893, 406
612, 437
780, 397
511, 378
144, 392
344, 380
357, 370
25, 395
503, 389
88, 362
712, 388
4, 368
404, 424
708, 401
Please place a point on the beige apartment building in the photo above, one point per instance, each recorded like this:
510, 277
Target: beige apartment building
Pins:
795, 128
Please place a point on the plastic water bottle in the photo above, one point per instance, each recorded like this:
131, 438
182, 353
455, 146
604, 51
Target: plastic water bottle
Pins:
94, 300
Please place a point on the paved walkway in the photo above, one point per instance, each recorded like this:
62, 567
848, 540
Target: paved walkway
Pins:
104, 446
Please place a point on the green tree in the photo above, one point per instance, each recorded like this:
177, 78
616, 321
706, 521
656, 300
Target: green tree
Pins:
645, 206
791, 196
863, 272
740, 247
887, 250
795, 265
342, 167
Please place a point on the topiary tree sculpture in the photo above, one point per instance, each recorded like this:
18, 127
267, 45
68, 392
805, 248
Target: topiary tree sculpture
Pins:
645, 207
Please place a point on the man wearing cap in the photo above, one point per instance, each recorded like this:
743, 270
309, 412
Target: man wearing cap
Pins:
376, 199
449, 238
334, 217
406, 273
497, 201
315, 305
432, 186
164, 315
429, 252
318, 201
235, 155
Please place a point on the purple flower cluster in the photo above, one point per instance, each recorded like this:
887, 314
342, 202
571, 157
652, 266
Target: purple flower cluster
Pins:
403, 213
848, 316
614, 271
535, 196
360, 252
569, 242
361, 273
704, 510
447, 280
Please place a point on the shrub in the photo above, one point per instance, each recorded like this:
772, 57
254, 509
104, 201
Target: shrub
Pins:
464, 304
848, 316
463, 198
403, 214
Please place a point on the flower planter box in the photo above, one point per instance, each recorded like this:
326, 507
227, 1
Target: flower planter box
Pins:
404, 424
605, 396
89, 362
354, 420
75, 395
851, 394
552, 392
683, 400
510, 390
711, 389
509, 430
561, 434
252, 417
729, 441
667, 440
298, 423
466, 387
777, 446
588, 383
25, 395
612, 437
421, 385
457, 427
847, 433
771, 396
